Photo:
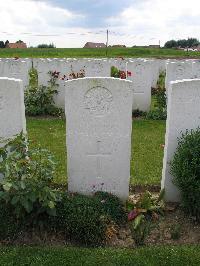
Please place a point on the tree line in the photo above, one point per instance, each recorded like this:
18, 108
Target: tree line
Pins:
182, 43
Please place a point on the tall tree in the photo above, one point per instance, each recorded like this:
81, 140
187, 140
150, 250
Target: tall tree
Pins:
2, 45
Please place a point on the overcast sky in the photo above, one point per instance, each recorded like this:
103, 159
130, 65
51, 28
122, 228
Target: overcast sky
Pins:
72, 23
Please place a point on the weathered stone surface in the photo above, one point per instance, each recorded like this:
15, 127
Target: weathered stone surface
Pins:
141, 76
12, 110
98, 114
18, 69
183, 113
178, 70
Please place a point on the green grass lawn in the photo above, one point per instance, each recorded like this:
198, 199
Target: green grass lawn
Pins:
95, 52
147, 153
165, 256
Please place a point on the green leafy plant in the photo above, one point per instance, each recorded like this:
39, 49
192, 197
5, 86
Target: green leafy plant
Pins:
26, 179
117, 73
160, 110
185, 167
39, 99
114, 72
140, 229
141, 214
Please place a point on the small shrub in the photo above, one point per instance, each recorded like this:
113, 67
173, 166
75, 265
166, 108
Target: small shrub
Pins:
113, 206
27, 176
185, 167
157, 114
82, 218
39, 99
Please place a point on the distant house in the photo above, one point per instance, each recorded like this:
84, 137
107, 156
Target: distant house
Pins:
16, 45
94, 45
154, 46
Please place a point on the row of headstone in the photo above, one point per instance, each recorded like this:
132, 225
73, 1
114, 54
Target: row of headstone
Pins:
99, 124
143, 72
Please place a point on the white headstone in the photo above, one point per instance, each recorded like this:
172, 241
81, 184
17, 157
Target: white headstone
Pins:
17, 69
98, 114
183, 113
12, 110
141, 76
196, 68
97, 68
177, 71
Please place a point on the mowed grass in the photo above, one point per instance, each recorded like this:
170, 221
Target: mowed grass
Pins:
97, 52
147, 153
152, 256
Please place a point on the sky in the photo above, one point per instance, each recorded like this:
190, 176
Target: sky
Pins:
72, 23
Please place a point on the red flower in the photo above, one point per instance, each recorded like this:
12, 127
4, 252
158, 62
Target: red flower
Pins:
132, 215
129, 73
122, 74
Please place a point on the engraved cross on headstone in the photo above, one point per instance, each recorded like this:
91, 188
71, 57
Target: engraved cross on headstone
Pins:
99, 154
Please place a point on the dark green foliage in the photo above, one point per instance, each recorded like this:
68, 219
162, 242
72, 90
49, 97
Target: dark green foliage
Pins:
9, 224
171, 44
51, 45
39, 99
115, 72
20, 41
2, 45
183, 43
113, 206
82, 218
27, 176
185, 167
160, 110
138, 113
157, 115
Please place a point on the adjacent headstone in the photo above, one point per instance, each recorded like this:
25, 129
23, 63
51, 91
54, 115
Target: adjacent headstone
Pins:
12, 110
141, 76
98, 116
17, 69
196, 69
177, 71
97, 68
183, 113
